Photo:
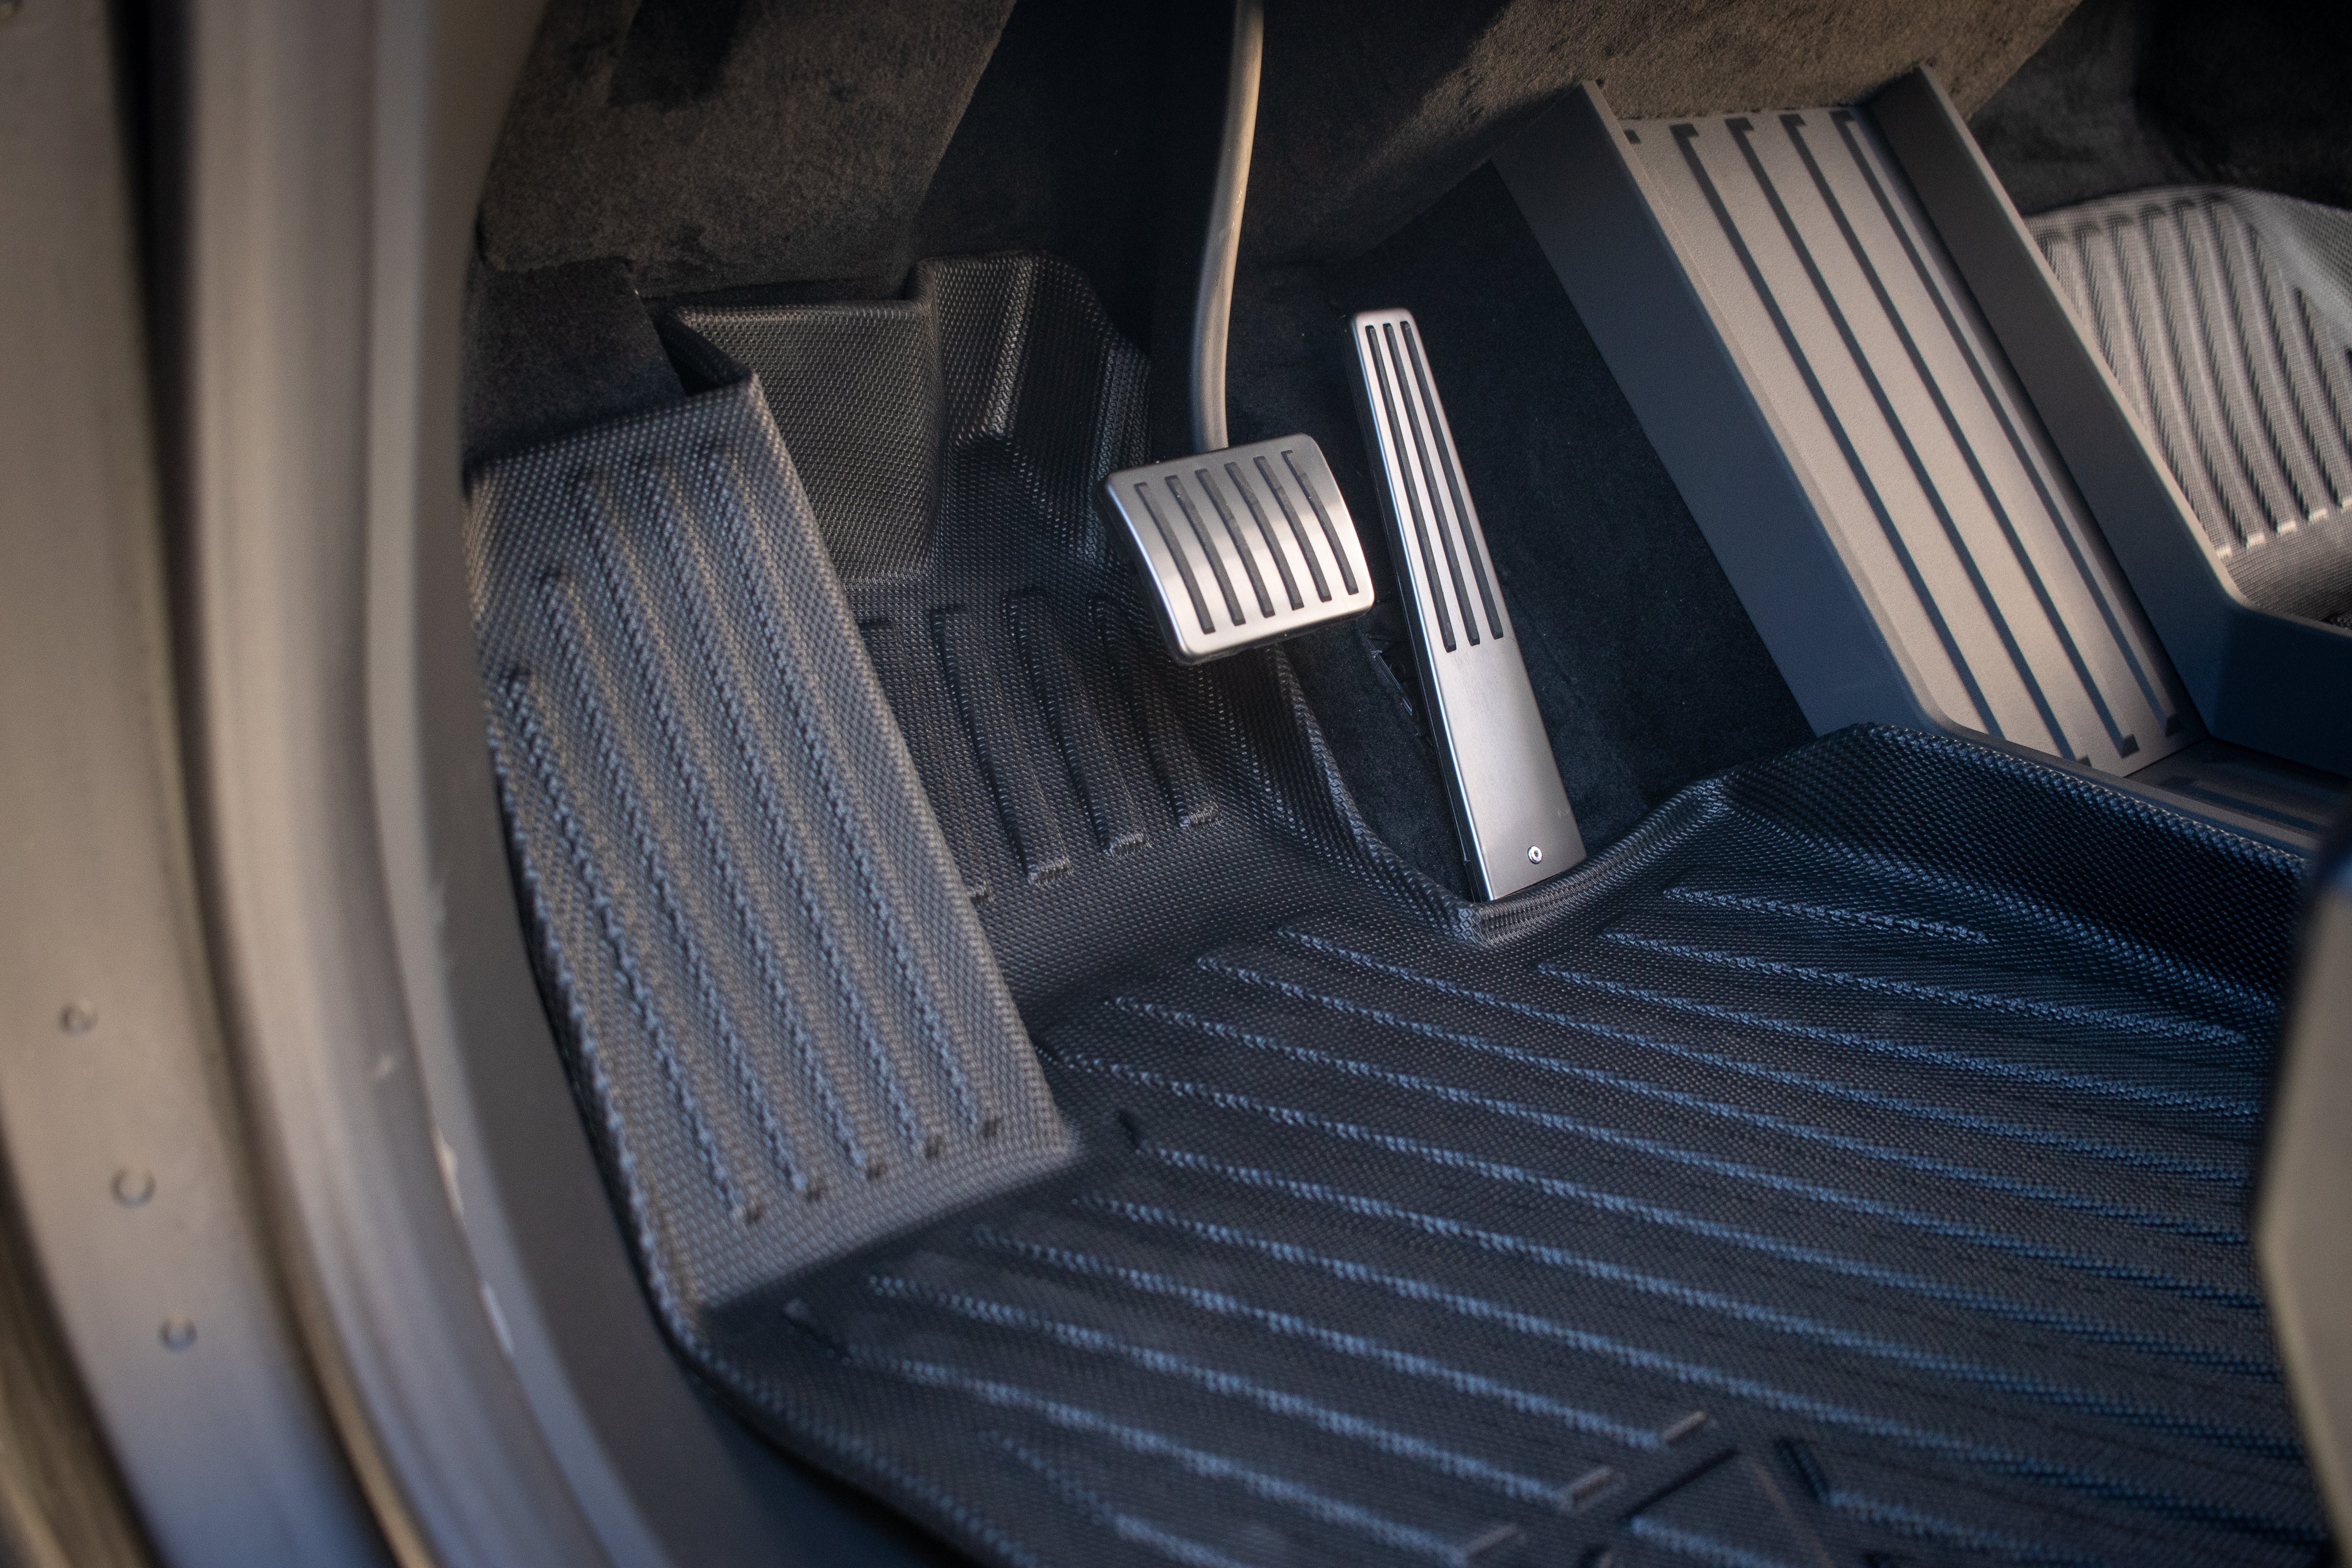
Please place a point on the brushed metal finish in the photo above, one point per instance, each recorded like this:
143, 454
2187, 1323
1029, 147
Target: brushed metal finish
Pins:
1509, 808
1240, 546
2228, 332
2266, 680
1945, 502
1941, 485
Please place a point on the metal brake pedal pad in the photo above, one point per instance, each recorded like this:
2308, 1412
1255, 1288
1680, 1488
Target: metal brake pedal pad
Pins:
1240, 546
1509, 809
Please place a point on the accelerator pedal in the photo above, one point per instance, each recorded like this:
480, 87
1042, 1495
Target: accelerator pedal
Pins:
1509, 808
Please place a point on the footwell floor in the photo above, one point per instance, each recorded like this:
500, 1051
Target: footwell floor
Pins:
1849, 1166
1810, 1185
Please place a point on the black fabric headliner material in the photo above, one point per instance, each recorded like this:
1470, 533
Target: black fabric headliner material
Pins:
1849, 1165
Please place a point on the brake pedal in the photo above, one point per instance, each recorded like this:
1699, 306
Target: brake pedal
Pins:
1240, 546
1509, 808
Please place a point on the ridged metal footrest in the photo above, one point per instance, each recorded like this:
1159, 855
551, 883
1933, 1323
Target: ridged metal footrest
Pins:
1240, 546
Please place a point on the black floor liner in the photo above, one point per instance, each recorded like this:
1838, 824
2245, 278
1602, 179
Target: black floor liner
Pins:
1849, 1166
1919, 1174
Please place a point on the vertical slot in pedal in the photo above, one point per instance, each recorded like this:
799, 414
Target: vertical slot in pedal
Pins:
1509, 808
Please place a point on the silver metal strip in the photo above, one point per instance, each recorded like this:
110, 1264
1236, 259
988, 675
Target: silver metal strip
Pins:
1789, 325
1508, 806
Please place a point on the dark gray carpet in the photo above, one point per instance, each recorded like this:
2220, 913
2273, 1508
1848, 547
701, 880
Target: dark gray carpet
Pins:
2128, 94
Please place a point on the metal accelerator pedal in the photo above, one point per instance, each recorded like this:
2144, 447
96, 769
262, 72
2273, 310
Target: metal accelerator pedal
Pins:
1509, 808
1241, 545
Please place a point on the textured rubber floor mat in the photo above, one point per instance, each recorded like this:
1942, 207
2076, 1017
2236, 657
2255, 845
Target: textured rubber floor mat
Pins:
782, 1009
1106, 805
1847, 1167
1852, 1160
2227, 317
